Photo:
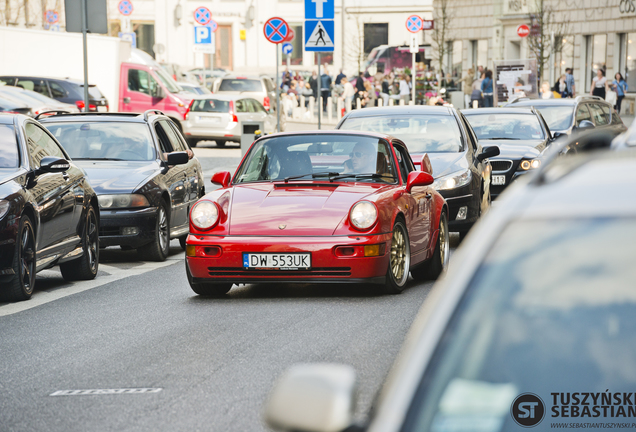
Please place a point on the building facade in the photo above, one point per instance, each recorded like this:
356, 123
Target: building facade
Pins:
594, 35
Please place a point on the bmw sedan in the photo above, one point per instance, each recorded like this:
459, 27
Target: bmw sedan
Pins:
48, 210
533, 325
144, 173
460, 164
522, 136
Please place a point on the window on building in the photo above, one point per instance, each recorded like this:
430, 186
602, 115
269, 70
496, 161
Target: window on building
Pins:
326, 58
565, 58
296, 57
630, 61
145, 34
479, 53
595, 56
456, 68
375, 34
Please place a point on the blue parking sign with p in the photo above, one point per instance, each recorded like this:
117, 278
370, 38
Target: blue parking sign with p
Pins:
202, 35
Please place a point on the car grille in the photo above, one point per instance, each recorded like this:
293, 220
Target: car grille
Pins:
316, 271
501, 165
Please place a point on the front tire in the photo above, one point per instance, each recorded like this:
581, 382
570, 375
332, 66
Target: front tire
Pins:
399, 261
20, 287
220, 143
86, 266
192, 142
158, 249
431, 269
208, 289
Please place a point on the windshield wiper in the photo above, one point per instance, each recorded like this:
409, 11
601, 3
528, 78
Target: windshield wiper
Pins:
313, 175
110, 159
501, 138
370, 175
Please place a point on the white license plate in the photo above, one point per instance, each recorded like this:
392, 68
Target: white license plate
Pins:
101, 109
498, 180
210, 120
282, 261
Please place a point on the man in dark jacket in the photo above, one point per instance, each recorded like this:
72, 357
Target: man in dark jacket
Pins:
325, 87
313, 83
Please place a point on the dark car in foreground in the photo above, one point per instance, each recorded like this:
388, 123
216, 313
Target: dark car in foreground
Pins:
143, 172
65, 90
460, 164
565, 116
522, 136
533, 325
48, 210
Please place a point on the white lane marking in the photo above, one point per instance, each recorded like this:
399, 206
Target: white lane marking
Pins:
93, 392
42, 297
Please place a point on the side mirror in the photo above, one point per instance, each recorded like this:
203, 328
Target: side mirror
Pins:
312, 398
53, 164
418, 178
488, 152
223, 178
178, 158
159, 93
586, 124
426, 165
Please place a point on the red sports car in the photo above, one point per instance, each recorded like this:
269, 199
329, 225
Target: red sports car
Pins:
316, 207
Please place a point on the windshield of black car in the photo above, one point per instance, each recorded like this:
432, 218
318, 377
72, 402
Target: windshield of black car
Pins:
421, 133
327, 155
558, 117
241, 85
8, 147
506, 126
210, 105
550, 310
104, 140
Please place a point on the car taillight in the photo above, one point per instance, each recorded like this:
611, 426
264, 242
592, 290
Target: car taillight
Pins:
187, 111
80, 105
266, 103
234, 118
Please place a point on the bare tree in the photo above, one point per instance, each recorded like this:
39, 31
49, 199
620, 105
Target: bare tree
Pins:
355, 44
440, 34
547, 33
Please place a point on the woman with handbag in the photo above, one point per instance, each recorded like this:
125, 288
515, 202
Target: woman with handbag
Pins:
620, 87
599, 84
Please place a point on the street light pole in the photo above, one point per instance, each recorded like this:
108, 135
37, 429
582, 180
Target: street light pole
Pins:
84, 31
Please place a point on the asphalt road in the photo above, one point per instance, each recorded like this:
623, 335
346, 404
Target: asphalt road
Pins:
70, 356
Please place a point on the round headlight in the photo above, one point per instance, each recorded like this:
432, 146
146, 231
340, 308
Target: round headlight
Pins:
204, 215
363, 215
536, 163
105, 201
525, 165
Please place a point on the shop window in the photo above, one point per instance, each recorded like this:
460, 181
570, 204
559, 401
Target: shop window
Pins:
296, 57
375, 34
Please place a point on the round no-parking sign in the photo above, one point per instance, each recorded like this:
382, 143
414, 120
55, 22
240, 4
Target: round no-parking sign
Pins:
202, 15
276, 30
125, 7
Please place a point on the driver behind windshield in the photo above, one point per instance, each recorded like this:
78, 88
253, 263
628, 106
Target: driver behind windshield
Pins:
362, 160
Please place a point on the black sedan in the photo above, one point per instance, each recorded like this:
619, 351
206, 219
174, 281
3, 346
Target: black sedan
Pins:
48, 210
522, 136
143, 171
459, 163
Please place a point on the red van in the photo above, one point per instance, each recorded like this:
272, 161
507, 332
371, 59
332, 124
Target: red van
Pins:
144, 85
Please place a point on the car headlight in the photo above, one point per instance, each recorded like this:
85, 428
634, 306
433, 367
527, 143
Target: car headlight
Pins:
363, 215
4, 208
204, 215
122, 201
526, 165
452, 181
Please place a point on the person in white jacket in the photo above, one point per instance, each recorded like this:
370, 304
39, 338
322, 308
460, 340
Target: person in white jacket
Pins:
348, 93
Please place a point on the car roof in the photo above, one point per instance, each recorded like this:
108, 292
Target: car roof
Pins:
95, 117
330, 132
401, 110
226, 96
254, 77
555, 101
504, 110
70, 80
7, 118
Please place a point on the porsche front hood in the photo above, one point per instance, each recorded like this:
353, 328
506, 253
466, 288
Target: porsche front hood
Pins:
293, 209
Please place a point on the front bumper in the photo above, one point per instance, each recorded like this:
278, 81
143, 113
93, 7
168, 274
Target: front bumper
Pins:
495, 191
325, 265
456, 199
113, 222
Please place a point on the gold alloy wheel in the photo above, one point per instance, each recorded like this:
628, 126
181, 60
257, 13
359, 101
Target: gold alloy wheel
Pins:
400, 255
444, 242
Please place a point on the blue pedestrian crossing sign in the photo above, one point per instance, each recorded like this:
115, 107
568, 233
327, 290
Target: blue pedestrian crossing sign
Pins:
319, 35
287, 48
320, 9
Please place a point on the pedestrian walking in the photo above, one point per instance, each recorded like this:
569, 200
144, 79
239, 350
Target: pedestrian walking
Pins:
569, 82
385, 90
620, 87
546, 91
339, 78
487, 90
476, 94
325, 87
561, 87
360, 82
405, 89
313, 84
599, 84
467, 82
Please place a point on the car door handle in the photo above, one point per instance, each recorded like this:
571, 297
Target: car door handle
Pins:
126, 100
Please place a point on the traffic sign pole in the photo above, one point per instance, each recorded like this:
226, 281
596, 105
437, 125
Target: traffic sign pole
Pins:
277, 95
319, 92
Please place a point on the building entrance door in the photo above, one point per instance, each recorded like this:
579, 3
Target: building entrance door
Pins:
223, 54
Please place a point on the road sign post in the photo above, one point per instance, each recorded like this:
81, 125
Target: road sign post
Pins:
276, 30
414, 49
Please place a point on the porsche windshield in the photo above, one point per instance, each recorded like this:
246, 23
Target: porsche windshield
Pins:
104, 140
329, 156
420, 133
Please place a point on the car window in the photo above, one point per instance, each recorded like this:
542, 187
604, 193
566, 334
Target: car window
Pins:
582, 113
8, 147
269, 85
8, 80
141, 81
257, 106
558, 117
57, 90
541, 314
598, 115
36, 85
472, 138
210, 105
241, 106
514, 127
172, 136
421, 133
241, 85
184, 145
40, 144
405, 162
616, 119
93, 92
